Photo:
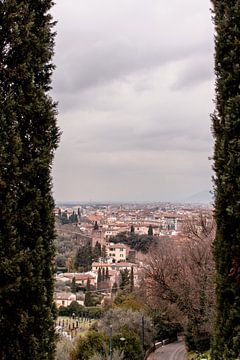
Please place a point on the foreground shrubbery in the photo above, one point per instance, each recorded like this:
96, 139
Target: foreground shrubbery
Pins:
128, 320
165, 329
117, 355
89, 344
96, 344
92, 312
200, 341
199, 356
64, 349
127, 326
128, 316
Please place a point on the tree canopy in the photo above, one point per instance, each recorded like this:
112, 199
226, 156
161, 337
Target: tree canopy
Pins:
226, 129
29, 136
134, 241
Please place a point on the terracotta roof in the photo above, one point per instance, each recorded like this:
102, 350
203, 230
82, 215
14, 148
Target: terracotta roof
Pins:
117, 246
79, 276
120, 264
101, 264
64, 296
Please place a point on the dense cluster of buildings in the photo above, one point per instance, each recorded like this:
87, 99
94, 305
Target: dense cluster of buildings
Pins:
99, 223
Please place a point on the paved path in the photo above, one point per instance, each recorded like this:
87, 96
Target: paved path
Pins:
174, 351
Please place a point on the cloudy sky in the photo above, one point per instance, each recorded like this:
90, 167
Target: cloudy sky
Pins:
135, 84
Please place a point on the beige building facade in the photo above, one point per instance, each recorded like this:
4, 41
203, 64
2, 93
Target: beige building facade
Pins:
117, 252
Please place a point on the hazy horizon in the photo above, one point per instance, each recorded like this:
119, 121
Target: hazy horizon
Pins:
202, 197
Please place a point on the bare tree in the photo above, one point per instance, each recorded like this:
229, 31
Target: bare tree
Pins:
179, 276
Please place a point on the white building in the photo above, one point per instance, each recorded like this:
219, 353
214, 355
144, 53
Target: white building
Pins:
80, 278
64, 299
117, 252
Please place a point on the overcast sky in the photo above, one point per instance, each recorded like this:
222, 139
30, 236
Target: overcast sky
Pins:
134, 82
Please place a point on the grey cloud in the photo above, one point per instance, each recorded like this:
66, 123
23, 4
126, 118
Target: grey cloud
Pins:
195, 73
104, 63
128, 139
108, 41
134, 161
134, 86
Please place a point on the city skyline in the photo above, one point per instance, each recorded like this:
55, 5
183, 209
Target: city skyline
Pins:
135, 84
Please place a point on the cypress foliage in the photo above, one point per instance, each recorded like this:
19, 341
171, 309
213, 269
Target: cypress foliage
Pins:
88, 295
83, 259
125, 279
99, 278
107, 274
97, 251
73, 285
103, 274
95, 227
29, 136
226, 129
150, 230
131, 279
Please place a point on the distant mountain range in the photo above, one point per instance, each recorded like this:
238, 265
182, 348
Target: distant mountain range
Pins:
203, 197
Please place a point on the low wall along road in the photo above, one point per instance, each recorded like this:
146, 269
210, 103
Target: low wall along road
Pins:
173, 351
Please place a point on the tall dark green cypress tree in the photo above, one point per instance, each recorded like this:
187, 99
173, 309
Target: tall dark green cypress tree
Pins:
131, 279
99, 278
88, 295
226, 128
28, 138
107, 274
150, 230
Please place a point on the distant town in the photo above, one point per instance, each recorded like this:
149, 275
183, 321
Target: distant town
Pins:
100, 245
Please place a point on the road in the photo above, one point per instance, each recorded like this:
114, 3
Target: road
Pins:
174, 351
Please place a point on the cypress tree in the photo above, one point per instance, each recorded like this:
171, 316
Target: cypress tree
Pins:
104, 252
97, 251
73, 285
226, 129
29, 136
131, 279
73, 218
95, 227
150, 230
103, 274
107, 274
125, 279
88, 295
83, 258
114, 288
99, 277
